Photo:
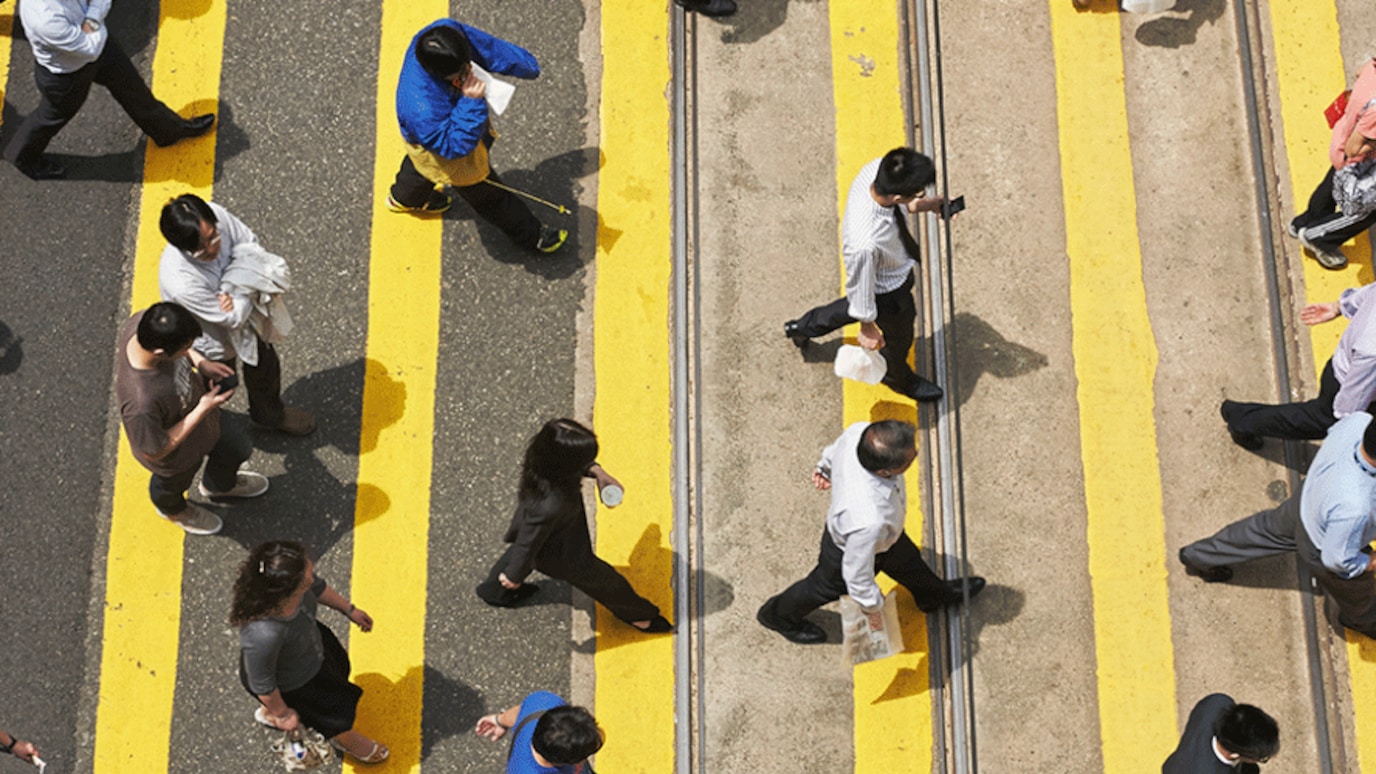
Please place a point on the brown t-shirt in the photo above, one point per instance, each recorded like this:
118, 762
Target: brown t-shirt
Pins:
150, 403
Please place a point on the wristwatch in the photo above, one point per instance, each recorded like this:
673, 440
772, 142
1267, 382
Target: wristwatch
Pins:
94, 24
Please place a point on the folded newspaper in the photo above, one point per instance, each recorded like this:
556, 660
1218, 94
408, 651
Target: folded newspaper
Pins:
498, 91
858, 642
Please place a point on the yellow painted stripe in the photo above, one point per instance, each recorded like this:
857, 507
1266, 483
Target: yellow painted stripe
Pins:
634, 673
392, 510
1115, 364
6, 41
138, 671
893, 712
1309, 74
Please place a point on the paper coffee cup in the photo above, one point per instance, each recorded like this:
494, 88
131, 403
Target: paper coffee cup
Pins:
612, 495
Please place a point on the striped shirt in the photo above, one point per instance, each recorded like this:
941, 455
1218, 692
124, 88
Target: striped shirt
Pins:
876, 261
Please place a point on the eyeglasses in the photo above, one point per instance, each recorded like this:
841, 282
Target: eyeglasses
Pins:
212, 246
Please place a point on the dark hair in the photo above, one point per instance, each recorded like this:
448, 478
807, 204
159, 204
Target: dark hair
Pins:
903, 172
1369, 437
181, 221
443, 51
167, 326
272, 572
1249, 732
566, 735
885, 445
556, 458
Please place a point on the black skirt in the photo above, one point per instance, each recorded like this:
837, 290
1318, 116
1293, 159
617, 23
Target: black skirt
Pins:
328, 701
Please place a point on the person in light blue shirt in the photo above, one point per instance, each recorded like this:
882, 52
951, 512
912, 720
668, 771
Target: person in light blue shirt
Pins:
1331, 524
72, 50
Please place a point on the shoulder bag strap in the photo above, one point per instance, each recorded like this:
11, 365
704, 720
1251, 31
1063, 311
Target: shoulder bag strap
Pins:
516, 729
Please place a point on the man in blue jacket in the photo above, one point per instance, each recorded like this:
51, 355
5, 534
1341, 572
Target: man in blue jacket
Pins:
443, 113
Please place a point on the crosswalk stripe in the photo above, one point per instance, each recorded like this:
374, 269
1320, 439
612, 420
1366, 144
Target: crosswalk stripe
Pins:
1309, 70
138, 672
6, 44
892, 702
392, 506
634, 694
1115, 364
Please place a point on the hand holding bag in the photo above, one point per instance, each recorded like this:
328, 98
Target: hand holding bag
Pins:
1354, 186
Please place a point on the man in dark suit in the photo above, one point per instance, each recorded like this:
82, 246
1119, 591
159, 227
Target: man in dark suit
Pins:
1225, 737
72, 50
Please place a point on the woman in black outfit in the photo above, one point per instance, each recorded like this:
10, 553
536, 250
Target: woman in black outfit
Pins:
549, 531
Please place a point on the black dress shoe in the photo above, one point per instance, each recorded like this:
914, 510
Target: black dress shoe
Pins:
497, 595
47, 168
953, 595
791, 331
658, 625
709, 7
917, 388
1248, 441
805, 633
193, 127
1209, 574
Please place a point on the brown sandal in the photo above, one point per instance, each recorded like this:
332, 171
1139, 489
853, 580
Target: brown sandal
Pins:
377, 755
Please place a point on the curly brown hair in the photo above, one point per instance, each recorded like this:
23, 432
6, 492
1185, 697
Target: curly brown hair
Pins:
272, 572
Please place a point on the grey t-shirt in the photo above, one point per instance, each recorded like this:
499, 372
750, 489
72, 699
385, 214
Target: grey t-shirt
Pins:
283, 653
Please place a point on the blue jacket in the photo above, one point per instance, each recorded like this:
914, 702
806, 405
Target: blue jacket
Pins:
434, 114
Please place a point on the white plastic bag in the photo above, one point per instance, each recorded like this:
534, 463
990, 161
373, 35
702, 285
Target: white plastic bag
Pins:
858, 643
860, 364
1147, 6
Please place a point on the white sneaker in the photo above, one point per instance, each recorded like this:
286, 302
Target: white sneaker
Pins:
195, 520
246, 484
1327, 258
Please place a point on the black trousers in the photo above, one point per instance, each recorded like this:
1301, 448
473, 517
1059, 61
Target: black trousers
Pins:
567, 555
1308, 420
503, 209
897, 314
63, 94
264, 385
221, 469
825, 584
1327, 226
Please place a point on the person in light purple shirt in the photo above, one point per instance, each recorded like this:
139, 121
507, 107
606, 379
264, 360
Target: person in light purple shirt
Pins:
1347, 385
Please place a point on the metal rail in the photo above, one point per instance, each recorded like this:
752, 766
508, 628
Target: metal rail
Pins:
1275, 271
686, 544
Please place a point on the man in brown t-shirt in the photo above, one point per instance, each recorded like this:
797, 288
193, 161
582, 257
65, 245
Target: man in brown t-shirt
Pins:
171, 417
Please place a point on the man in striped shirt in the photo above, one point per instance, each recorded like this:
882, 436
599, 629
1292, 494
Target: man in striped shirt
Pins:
880, 254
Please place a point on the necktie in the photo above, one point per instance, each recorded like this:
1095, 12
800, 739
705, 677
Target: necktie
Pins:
906, 236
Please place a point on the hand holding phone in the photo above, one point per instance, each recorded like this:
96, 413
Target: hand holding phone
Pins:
952, 206
228, 383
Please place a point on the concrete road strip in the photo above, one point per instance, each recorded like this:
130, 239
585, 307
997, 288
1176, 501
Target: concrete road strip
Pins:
1115, 365
138, 672
892, 703
634, 696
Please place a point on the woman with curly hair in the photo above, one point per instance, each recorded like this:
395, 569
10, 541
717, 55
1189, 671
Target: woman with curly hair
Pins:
289, 661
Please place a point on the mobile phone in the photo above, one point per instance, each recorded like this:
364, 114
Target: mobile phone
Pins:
228, 383
952, 206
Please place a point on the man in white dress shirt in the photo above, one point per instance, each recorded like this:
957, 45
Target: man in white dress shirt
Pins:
863, 536
72, 49
880, 255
